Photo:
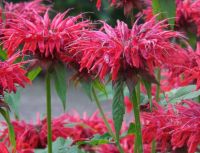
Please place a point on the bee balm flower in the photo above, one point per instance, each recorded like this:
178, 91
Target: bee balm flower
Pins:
11, 75
122, 51
42, 38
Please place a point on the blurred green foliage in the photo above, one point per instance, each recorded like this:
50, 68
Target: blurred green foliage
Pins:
107, 13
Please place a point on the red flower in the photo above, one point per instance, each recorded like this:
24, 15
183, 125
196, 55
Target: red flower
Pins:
31, 136
190, 69
123, 50
3, 148
187, 15
175, 128
24, 9
11, 75
43, 38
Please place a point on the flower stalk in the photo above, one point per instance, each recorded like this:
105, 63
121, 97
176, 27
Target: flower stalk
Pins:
135, 96
158, 85
48, 109
106, 121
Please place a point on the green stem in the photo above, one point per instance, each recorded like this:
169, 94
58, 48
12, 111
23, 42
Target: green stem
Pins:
136, 108
106, 121
199, 99
153, 146
48, 109
158, 86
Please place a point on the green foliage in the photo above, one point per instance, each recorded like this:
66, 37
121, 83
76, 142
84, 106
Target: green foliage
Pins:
179, 94
131, 129
6, 116
62, 146
89, 86
13, 100
165, 9
97, 140
96, 84
34, 73
118, 108
148, 89
3, 55
60, 80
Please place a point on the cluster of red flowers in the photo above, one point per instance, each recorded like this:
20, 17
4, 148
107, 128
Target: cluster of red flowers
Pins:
175, 128
31, 136
118, 51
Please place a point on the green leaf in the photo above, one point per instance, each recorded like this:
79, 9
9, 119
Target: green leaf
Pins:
97, 140
3, 55
131, 129
11, 131
13, 100
165, 9
182, 93
99, 86
87, 88
148, 89
96, 85
34, 73
62, 146
60, 80
118, 108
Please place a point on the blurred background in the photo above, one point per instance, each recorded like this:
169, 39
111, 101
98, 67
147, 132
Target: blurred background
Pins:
32, 99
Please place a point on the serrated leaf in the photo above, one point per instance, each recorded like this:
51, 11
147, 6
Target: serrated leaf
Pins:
60, 80
34, 73
13, 100
166, 9
118, 108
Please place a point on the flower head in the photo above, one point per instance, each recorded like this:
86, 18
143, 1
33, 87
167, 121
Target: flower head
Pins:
175, 128
43, 38
24, 9
121, 50
11, 75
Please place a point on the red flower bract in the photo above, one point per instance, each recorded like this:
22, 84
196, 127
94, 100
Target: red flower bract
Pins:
123, 50
43, 38
11, 75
